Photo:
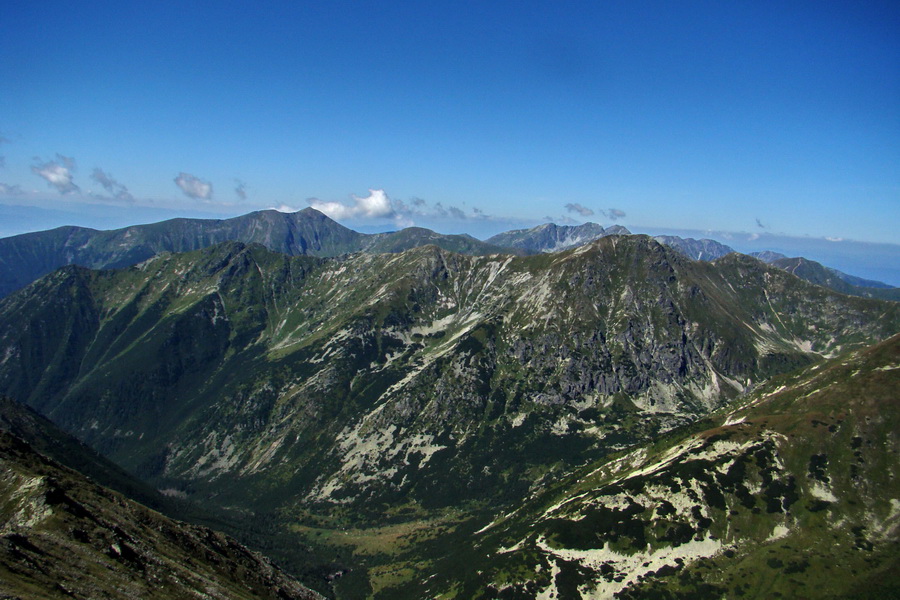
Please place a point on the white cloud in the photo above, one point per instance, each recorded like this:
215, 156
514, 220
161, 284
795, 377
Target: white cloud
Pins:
377, 205
835, 239
58, 173
194, 187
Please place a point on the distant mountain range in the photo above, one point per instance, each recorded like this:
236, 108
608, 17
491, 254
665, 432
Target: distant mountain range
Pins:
24, 258
554, 238
819, 274
697, 249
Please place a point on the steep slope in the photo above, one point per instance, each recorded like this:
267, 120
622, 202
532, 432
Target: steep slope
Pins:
792, 492
553, 238
62, 536
48, 439
697, 249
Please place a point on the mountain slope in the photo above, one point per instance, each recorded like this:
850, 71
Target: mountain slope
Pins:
46, 438
413, 237
62, 537
418, 391
24, 258
792, 492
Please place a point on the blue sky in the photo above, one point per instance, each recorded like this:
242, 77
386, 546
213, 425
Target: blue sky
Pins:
776, 118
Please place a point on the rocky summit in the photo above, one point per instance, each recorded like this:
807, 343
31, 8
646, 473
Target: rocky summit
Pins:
436, 424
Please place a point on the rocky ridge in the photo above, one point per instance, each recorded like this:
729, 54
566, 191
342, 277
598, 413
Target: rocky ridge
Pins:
62, 536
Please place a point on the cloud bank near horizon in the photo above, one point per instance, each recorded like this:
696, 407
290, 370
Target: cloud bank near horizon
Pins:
379, 206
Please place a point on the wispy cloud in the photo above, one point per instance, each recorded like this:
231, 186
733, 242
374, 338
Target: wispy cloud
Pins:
578, 208
420, 208
194, 187
240, 189
613, 214
3, 140
113, 187
456, 213
10, 190
57, 173
560, 220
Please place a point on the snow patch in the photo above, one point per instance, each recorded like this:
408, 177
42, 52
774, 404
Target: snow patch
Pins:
780, 531
821, 492
631, 566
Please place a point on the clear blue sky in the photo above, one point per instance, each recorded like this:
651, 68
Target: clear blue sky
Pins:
761, 117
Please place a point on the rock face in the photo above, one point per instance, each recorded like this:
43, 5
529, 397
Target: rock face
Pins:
62, 536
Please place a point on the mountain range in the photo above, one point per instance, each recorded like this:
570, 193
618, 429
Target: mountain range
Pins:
819, 274
380, 407
25, 257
